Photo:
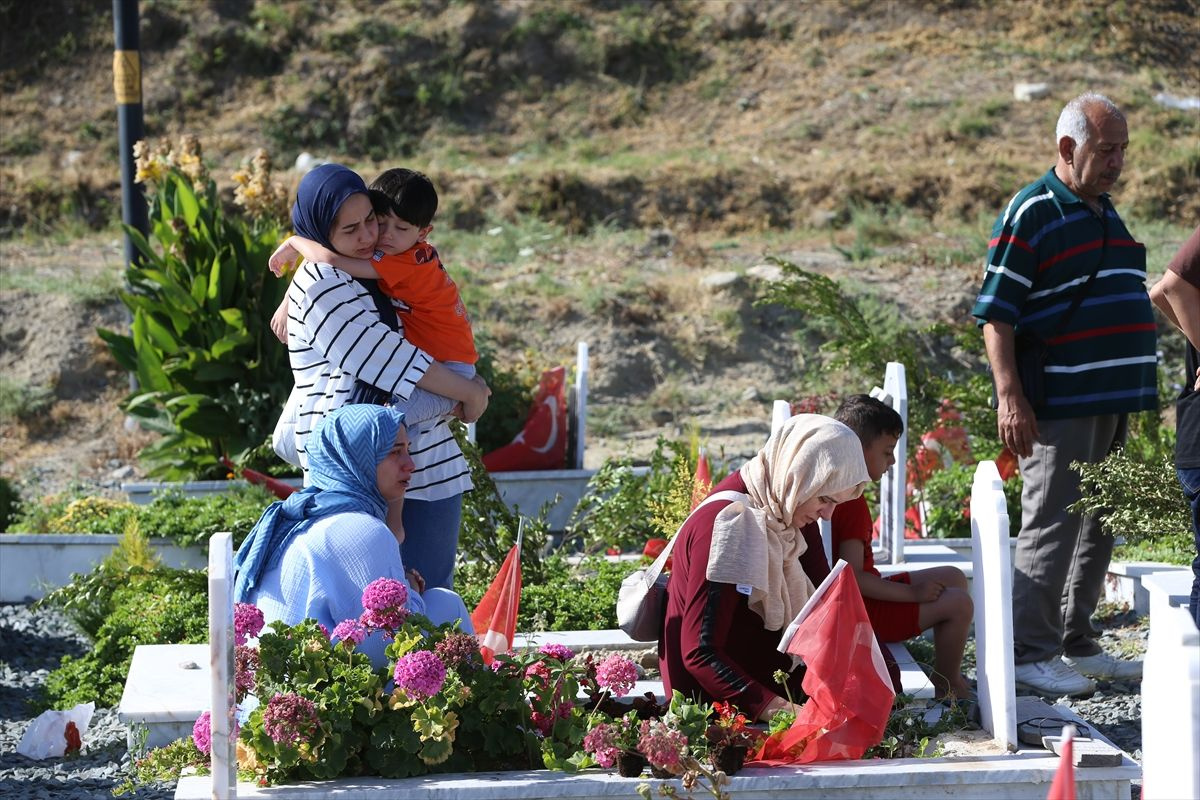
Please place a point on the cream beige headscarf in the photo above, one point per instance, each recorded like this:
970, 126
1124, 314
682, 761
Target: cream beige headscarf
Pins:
754, 543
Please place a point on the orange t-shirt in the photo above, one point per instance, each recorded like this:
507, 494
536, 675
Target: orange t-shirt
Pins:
433, 313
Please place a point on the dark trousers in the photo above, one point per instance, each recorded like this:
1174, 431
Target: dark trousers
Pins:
1189, 479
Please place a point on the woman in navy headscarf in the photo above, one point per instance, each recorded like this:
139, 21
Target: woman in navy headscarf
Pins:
345, 347
311, 556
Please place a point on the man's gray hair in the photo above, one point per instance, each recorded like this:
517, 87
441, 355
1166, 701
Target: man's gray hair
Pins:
1073, 120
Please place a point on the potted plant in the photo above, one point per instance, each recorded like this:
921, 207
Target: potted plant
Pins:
729, 739
615, 743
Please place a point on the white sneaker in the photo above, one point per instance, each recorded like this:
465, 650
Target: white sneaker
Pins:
1104, 667
1053, 678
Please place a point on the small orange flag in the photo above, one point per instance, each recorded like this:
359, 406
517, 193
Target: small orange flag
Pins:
495, 618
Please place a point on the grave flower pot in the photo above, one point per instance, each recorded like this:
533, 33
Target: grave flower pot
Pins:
630, 763
729, 759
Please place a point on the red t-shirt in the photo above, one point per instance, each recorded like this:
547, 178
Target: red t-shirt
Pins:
852, 521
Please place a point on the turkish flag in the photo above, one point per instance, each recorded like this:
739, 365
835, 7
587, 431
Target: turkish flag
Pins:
542, 443
495, 618
849, 690
1063, 787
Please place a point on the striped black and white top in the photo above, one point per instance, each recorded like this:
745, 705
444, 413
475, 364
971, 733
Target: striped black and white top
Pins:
335, 336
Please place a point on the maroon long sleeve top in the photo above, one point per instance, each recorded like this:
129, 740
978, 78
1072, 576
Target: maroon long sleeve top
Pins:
714, 648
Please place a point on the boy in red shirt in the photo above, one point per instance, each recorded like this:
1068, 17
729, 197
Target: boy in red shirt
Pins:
903, 605
409, 272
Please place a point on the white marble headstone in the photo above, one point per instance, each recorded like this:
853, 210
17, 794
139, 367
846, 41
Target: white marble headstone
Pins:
221, 641
581, 382
991, 589
894, 483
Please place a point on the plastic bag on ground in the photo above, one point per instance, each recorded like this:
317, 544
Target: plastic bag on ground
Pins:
47, 736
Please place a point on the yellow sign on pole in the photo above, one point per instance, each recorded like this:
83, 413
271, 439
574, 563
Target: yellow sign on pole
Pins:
127, 77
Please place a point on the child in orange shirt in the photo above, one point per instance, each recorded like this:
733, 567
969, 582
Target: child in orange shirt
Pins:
902, 606
410, 273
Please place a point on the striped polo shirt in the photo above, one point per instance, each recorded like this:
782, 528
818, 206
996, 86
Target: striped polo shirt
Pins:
1043, 248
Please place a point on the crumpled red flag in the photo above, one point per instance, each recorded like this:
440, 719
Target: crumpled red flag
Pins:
495, 618
272, 485
1063, 786
849, 691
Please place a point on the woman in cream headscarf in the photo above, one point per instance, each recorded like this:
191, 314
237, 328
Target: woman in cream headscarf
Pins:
736, 579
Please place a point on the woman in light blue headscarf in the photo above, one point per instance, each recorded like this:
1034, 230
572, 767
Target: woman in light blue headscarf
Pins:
311, 555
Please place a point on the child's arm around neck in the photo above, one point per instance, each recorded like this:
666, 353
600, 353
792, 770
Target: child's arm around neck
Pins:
315, 251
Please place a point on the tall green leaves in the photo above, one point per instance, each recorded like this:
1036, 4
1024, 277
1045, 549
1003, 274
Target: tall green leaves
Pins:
211, 376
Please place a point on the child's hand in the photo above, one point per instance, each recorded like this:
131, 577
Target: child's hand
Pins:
279, 321
473, 408
283, 258
928, 591
415, 580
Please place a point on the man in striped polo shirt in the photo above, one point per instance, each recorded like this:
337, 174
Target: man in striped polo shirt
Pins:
1099, 366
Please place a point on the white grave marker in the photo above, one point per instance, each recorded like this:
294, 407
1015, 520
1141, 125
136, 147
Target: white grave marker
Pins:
221, 641
892, 486
581, 379
991, 589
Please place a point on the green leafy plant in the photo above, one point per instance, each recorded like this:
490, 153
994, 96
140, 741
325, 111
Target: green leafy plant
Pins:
211, 376
10, 501
186, 521
947, 497
122, 609
908, 734
624, 505
162, 765
1140, 500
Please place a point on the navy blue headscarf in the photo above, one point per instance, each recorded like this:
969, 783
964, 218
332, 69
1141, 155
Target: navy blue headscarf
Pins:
344, 451
318, 200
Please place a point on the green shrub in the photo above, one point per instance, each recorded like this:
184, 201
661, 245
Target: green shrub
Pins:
159, 606
1140, 499
566, 598
184, 520
947, 495
10, 501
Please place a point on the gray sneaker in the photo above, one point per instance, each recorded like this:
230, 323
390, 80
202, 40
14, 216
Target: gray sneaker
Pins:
1104, 667
1053, 678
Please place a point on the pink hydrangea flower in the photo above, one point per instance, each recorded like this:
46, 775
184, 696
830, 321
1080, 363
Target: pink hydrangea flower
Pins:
539, 671
384, 604
247, 622
661, 745
559, 651
246, 663
289, 718
459, 650
600, 742
420, 674
617, 673
202, 733
350, 630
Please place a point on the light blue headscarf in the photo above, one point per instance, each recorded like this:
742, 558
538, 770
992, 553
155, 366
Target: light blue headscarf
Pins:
344, 451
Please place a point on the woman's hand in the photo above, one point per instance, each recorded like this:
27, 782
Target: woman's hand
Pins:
415, 580
279, 321
775, 706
